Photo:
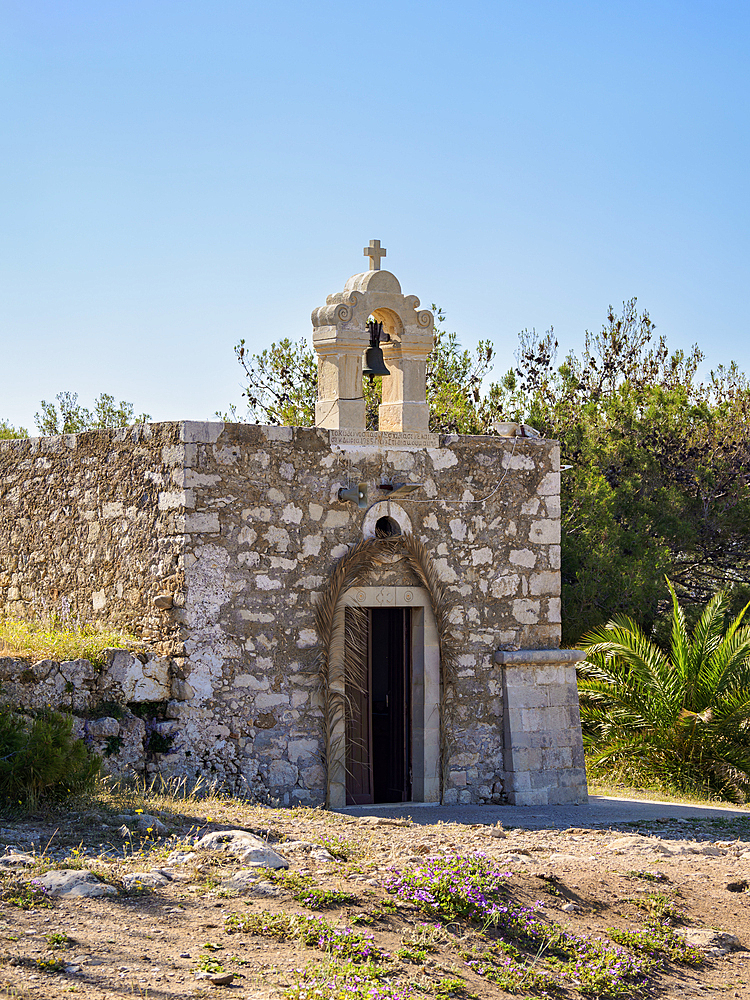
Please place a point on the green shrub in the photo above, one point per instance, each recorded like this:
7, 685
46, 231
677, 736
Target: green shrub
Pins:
40, 759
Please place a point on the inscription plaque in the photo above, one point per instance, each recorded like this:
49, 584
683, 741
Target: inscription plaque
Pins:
383, 439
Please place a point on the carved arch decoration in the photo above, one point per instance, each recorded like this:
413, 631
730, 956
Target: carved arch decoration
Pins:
333, 640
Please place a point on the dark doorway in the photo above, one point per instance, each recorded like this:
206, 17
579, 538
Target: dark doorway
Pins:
378, 727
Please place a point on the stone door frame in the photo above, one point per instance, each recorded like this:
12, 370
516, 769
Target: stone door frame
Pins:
425, 691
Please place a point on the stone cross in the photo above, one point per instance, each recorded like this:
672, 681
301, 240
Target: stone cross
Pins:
374, 253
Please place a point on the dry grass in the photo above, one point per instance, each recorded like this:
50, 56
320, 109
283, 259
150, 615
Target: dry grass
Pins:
620, 790
31, 640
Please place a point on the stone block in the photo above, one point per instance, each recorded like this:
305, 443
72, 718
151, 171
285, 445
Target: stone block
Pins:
520, 781
547, 582
202, 523
526, 760
545, 532
523, 557
529, 797
556, 757
282, 774
526, 611
563, 795
200, 431
550, 485
101, 728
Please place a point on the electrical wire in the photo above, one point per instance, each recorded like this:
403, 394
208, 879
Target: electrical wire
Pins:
483, 500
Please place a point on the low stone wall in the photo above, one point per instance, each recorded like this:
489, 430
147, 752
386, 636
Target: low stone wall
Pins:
118, 708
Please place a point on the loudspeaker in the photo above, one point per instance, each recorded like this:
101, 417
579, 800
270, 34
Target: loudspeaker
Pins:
357, 494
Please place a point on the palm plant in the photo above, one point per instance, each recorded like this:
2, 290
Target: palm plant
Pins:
680, 719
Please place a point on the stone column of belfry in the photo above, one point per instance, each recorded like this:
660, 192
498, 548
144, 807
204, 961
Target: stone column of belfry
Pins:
340, 341
340, 338
404, 406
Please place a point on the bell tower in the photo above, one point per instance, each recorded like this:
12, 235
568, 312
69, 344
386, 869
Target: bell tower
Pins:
341, 337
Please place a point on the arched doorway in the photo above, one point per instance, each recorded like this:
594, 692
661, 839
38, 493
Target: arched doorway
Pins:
389, 746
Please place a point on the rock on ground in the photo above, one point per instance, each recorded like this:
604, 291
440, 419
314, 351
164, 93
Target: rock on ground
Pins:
74, 882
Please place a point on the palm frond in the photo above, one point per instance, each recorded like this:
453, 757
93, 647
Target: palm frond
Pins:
682, 721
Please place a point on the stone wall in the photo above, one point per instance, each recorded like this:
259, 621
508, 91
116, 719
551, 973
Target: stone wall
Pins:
118, 706
84, 528
213, 540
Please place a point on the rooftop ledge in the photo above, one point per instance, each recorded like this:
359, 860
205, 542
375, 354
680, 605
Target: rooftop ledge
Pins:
517, 657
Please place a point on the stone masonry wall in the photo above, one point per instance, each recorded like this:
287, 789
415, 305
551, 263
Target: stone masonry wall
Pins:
118, 705
84, 529
240, 526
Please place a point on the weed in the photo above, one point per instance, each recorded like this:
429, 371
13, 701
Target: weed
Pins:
340, 849
56, 941
658, 906
648, 876
658, 940
454, 887
386, 906
25, 895
59, 637
475, 889
341, 980
208, 964
502, 964
323, 899
450, 987
51, 964
426, 936
418, 956
550, 885
313, 897
113, 745
315, 932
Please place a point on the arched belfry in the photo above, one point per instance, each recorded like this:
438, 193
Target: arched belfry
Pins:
341, 337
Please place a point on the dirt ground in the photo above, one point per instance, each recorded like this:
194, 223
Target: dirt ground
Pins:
160, 942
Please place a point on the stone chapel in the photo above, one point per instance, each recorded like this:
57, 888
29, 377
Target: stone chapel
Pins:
333, 614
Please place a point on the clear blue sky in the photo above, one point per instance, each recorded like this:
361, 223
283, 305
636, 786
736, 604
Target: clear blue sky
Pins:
177, 174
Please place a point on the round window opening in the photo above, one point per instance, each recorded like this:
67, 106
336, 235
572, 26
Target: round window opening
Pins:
386, 527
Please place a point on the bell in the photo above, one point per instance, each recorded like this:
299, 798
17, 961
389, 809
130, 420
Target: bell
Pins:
373, 363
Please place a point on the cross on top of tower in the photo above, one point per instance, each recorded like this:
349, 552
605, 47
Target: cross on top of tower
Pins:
374, 253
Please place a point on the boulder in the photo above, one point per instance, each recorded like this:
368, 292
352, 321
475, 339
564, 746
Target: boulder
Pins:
15, 860
144, 880
102, 728
251, 849
70, 882
708, 938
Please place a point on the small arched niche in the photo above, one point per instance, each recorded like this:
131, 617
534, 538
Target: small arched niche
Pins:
398, 520
386, 527
392, 325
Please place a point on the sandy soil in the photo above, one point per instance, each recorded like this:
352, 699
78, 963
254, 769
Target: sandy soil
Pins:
152, 943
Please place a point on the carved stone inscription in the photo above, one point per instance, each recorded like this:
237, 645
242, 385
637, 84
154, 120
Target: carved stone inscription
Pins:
383, 439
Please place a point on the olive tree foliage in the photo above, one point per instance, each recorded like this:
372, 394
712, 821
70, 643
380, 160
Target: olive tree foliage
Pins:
68, 417
660, 469
9, 431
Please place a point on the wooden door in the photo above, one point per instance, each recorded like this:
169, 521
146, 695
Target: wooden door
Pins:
378, 757
359, 788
